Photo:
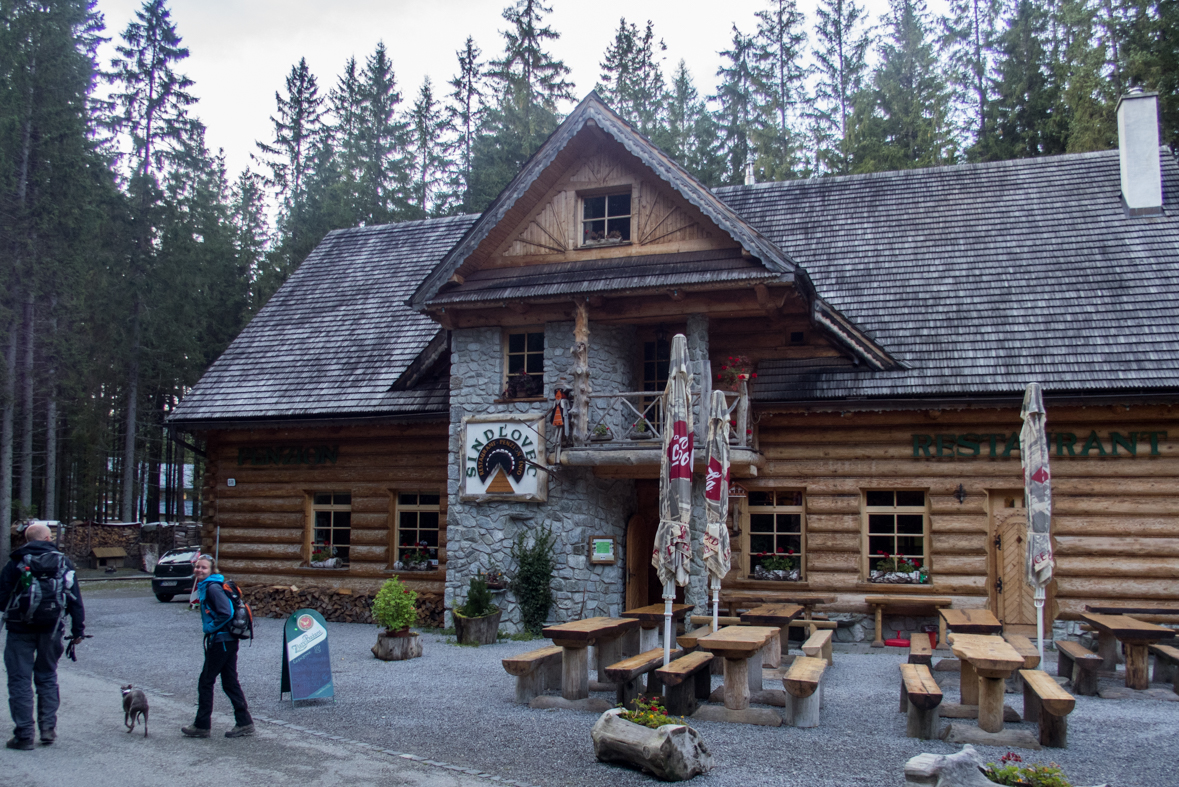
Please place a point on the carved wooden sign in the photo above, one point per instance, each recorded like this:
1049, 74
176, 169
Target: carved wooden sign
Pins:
502, 458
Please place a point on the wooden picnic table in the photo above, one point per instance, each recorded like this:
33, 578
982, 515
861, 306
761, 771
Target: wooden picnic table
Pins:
971, 621
878, 603
740, 646
575, 637
735, 599
776, 616
650, 620
1135, 634
987, 662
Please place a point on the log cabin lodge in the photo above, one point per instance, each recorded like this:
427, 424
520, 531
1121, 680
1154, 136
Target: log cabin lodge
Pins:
389, 411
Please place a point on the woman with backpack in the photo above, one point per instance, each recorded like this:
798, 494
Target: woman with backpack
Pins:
220, 655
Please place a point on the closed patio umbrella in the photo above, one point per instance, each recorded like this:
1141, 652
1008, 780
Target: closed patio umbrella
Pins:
673, 545
717, 554
1033, 453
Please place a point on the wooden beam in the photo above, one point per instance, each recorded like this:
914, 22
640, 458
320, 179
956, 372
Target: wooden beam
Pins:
581, 373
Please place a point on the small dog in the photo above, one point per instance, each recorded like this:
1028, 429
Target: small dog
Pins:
134, 705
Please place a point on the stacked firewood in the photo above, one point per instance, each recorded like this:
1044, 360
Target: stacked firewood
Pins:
337, 605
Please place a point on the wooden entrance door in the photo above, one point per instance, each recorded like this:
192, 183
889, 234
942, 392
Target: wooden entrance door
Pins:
1010, 594
642, 581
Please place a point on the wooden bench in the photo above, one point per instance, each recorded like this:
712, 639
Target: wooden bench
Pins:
818, 645
1079, 665
535, 671
920, 651
687, 680
1031, 656
1166, 665
920, 698
1047, 704
878, 603
626, 674
803, 691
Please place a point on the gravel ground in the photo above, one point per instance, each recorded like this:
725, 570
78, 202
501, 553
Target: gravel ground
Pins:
455, 705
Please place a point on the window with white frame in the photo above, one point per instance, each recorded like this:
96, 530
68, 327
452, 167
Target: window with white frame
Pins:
896, 536
777, 535
605, 219
331, 533
419, 523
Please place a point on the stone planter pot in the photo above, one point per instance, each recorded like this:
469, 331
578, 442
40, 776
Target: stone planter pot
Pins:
897, 577
398, 645
673, 752
476, 631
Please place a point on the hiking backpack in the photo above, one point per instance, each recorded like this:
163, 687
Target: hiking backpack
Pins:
39, 598
241, 623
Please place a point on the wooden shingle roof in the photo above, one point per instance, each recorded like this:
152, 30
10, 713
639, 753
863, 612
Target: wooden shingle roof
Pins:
336, 336
982, 278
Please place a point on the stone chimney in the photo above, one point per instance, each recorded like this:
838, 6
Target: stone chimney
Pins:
1138, 146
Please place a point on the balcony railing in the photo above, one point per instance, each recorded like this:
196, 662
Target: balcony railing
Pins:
635, 419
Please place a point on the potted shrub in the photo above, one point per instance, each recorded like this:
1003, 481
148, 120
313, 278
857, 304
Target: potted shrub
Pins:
394, 609
601, 433
477, 621
739, 369
495, 578
648, 739
641, 430
323, 556
897, 570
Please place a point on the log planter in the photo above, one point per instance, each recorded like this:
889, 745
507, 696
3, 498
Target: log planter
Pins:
398, 645
673, 752
477, 631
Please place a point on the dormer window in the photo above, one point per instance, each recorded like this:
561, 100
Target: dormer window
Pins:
605, 219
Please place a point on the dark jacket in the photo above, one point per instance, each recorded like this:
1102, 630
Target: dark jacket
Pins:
8, 579
216, 608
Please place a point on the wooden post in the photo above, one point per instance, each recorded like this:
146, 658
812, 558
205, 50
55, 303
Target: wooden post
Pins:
1064, 664
804, 711
581, 373
737, 684
904, 696
753, 670
742, 412
1084, 680
1136, 662
632, 644
771, 654
1053, 730
922, 723
968, 684
1107, 648
648, 638
879, 641
574, 672
703, 682
529, 686
941, 633
1031, 704
990, 703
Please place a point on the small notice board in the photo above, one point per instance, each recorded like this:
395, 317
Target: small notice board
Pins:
602, 549
306, 661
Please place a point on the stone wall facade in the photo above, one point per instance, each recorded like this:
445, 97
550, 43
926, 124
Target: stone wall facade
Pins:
579, 506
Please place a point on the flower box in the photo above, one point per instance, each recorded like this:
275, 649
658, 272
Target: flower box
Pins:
898, 577
793, 575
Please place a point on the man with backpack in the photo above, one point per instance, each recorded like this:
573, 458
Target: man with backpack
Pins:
37, 590
221, 640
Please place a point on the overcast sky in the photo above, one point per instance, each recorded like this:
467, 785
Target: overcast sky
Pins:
242, 50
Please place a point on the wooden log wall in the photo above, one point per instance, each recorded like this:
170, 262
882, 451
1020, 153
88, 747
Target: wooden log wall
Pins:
264, 518
1115, 515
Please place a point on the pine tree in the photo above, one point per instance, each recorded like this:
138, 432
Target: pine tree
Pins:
464, 112
901, 121
384, 182
1087, 73
739, 117
689, 134
427, 155
1021, 120
528, 82
631, 81
780, 75
151, 105
969, 34
251, 231
347, 128
841, 65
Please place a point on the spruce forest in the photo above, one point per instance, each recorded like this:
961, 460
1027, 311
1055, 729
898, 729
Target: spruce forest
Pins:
132, 257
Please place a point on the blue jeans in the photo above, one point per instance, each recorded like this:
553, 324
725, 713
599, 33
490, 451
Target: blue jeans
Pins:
31, 658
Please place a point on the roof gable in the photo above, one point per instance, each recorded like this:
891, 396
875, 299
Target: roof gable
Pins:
562, 158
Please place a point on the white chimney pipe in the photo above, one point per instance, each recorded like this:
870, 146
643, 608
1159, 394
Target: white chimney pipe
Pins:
1138, 147
750, 177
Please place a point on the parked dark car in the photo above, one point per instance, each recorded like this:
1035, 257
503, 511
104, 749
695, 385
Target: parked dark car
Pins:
173, 573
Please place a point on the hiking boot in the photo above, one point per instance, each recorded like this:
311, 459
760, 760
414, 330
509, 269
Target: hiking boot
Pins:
48, 736
194, 732
240, 732
24, 744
